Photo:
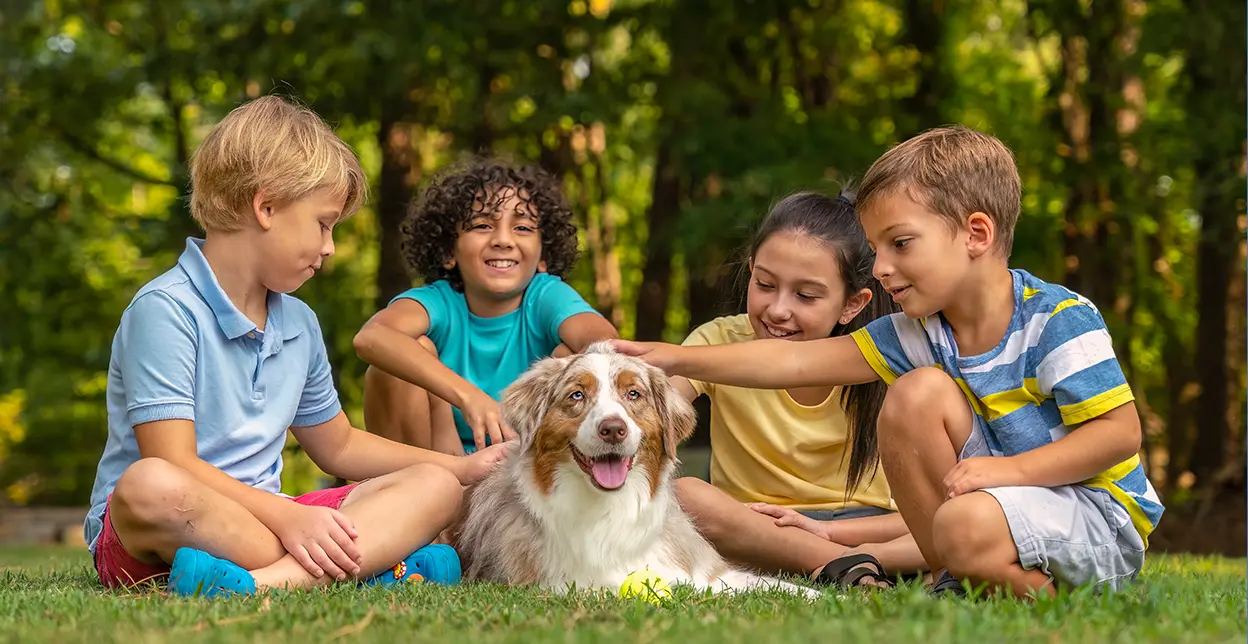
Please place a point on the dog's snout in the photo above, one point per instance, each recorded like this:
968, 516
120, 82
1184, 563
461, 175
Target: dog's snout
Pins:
612, 430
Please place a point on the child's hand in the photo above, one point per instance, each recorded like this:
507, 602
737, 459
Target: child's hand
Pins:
980, 473
321, 539
789, 517
657, 354
486, 419
474, 467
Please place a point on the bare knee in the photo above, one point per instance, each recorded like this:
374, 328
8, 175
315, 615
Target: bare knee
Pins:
153, 493
968, 534
924, 393
437, 485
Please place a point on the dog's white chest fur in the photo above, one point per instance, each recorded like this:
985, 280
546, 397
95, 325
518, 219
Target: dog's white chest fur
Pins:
596, 539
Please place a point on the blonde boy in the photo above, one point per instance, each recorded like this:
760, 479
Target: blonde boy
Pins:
214, 361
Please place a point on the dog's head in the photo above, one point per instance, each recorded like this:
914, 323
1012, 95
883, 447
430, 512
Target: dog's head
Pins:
609, 415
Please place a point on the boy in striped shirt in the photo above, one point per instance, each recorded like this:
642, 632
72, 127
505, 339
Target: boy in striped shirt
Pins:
1009, 433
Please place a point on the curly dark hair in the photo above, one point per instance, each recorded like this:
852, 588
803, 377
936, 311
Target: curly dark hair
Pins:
461, 192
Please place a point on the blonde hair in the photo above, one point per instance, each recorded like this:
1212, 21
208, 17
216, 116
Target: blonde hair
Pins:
953, 172
275, 146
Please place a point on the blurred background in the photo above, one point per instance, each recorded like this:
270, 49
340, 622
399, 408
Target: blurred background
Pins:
673, 126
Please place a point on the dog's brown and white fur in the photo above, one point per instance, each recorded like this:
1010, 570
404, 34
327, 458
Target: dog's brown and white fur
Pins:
588, 497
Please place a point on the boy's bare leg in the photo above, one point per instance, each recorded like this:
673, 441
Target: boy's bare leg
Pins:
404, 413
394, 515
752, 539
158, 508
923, 425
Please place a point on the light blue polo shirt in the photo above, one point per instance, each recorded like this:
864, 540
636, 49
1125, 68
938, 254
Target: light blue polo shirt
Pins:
492, 352
184, 351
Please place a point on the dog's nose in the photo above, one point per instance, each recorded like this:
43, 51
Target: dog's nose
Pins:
612, 430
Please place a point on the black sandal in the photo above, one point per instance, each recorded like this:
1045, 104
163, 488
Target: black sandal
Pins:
947, 584
848, 571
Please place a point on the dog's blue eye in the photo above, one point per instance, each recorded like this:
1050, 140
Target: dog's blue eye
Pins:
633, 394
576, 395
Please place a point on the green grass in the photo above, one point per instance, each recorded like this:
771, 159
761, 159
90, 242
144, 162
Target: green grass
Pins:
51, 595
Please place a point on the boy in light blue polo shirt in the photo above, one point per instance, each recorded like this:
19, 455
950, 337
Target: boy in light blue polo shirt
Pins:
213, 362
491, 242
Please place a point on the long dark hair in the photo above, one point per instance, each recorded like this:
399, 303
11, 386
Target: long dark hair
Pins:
833, 221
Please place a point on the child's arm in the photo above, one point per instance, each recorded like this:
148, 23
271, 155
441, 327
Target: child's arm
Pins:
341, 450
846, 532
1090, 449
1076, 365
761, 364
389, 342
584, 329
304, 531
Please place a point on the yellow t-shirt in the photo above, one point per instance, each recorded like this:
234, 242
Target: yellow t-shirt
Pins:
765, 447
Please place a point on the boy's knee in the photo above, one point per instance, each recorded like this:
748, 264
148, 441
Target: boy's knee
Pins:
967, 536
151, 492
434, 482
917, 394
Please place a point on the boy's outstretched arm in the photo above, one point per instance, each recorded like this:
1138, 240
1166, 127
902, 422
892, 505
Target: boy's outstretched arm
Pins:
389, 342
761, 364
341, 450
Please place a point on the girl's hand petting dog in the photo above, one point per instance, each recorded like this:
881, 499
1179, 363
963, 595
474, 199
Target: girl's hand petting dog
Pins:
789, 517
981, 473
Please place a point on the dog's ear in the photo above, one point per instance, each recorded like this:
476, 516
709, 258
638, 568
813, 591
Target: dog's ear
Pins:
526, 399
675, 413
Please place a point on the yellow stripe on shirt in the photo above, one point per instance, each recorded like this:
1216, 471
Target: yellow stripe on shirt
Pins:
1007, 402
873, 356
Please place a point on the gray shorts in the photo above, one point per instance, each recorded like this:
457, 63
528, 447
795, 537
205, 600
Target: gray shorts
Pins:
855, 512
1076, 534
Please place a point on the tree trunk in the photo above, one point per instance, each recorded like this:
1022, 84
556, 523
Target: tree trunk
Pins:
925, 31
1216, 100
656, 275
398, 155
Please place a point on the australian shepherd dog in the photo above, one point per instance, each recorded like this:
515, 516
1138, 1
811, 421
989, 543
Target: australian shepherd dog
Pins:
588, 498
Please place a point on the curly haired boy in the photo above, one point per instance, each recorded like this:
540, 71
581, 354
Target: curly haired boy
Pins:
492, 242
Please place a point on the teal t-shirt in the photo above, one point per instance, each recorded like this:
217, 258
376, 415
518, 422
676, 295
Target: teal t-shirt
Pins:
491, 353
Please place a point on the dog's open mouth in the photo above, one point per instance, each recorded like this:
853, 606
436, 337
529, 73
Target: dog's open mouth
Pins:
608, 471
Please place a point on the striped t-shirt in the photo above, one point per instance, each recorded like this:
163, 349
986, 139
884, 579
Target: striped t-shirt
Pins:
1054, 369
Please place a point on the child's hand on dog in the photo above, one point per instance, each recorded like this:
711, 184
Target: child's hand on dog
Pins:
656, 354
789, 517
486, 419
474, 467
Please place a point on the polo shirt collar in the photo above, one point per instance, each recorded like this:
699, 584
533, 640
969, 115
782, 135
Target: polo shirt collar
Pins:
232, 321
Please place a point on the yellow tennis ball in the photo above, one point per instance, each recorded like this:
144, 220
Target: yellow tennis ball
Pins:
647, 585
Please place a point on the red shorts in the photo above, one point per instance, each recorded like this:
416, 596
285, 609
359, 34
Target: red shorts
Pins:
118, 568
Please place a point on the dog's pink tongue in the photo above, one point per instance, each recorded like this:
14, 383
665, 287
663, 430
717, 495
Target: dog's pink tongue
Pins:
610, 473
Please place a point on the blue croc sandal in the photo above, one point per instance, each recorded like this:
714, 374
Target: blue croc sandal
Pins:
195, 573
436, 563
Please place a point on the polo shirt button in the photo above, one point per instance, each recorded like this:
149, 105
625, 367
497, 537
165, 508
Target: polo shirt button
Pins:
252, 336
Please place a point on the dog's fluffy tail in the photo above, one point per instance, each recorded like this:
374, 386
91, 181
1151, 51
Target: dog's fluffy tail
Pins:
739, 580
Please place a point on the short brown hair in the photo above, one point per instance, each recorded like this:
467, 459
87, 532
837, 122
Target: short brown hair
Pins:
952, 171
274, 145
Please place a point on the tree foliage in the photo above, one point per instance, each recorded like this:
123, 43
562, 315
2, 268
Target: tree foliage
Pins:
674, 125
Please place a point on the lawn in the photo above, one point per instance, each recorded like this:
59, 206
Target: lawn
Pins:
51, 595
